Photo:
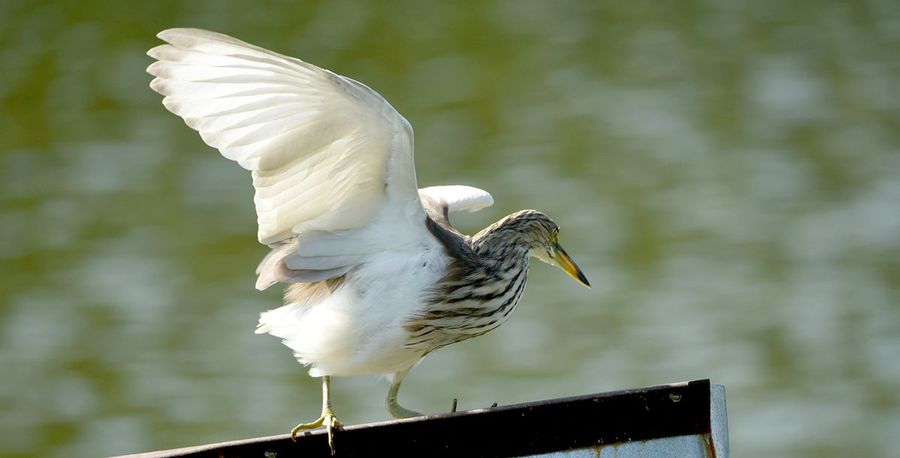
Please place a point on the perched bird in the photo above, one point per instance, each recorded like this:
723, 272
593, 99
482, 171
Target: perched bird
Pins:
377, 277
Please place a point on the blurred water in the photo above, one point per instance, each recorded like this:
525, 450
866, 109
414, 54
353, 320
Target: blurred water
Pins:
727, 174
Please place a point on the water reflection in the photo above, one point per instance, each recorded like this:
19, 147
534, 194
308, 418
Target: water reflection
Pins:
727, 175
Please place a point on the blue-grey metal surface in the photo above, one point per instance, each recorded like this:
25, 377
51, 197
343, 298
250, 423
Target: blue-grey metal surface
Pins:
718, 420
680, 446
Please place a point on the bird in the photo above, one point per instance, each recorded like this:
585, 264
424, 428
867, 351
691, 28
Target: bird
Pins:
375, 276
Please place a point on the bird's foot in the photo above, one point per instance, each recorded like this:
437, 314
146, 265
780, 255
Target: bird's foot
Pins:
328, 419
398, 411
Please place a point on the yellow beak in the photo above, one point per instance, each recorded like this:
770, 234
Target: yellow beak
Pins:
568, 266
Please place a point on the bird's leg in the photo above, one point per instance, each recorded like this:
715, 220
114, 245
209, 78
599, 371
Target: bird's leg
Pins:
391, 404
327, 418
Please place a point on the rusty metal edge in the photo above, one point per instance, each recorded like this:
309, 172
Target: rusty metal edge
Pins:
512, 430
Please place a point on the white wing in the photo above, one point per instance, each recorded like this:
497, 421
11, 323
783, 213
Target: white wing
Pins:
458, 198
329, 156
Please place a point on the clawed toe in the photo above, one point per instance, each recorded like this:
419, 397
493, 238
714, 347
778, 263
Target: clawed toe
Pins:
331, 422
328, 420
304, 426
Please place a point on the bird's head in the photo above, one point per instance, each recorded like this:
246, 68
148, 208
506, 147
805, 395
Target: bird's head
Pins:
542, 236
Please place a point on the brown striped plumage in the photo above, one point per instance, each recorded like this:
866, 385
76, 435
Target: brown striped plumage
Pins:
485, 280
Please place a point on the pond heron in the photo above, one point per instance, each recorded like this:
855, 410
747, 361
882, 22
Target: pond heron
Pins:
376, 275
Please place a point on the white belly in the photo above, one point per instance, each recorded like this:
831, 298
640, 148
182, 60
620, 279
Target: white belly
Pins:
359, 329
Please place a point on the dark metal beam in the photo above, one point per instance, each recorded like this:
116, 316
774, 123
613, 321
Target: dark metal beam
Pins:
514, 430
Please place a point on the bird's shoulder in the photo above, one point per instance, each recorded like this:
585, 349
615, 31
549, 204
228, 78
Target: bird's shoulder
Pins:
457, 245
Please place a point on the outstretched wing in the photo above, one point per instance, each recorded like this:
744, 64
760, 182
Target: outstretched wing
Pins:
329, 156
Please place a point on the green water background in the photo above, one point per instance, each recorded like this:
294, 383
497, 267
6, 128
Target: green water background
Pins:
727, 174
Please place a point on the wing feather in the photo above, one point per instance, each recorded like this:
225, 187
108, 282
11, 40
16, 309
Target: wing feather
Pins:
458, 198
327, 154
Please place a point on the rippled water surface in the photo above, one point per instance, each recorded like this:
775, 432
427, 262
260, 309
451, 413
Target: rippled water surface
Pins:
726, 173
